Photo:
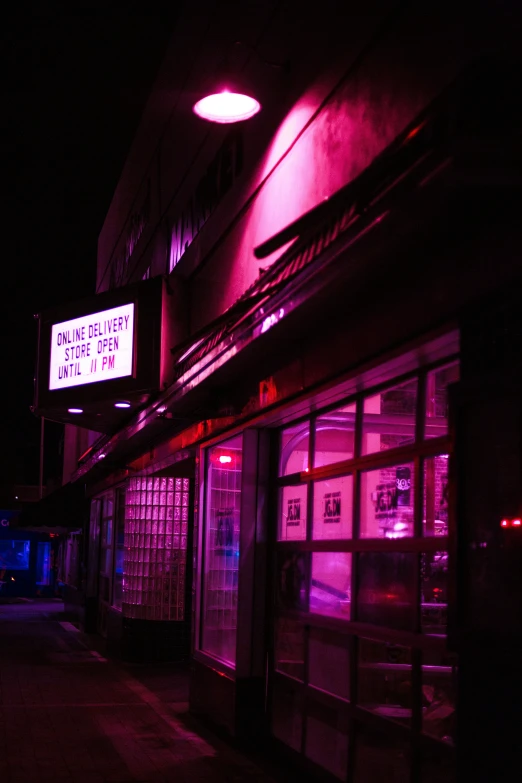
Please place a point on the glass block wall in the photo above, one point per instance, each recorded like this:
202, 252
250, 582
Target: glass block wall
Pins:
155, 560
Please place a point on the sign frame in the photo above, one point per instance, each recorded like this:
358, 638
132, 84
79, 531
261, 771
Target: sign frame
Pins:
146, 296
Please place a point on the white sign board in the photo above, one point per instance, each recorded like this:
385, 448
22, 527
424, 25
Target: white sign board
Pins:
96, 347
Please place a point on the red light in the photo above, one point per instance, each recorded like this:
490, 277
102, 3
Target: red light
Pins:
517, 522
225, 459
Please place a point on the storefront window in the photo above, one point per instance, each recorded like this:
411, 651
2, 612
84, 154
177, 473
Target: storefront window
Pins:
385, 681
287, 714
292, 580
14, 555
292, 512
94, 542
328, 662
119, 549
334, 436
437, 383
439, 676
327, 738
387, 502
289, 648
387, 589
221, 550
294, 449
333, 508
43, 563
106, 550
375, 555
331, 588
434, 592
435, 496
389, 418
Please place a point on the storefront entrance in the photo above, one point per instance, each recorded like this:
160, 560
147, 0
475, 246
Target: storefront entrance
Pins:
361, 681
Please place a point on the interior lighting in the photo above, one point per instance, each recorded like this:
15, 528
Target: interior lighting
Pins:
225, 459
75, 410
122, 404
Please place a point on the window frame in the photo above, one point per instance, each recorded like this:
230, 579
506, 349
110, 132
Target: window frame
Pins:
201, 652
422, 448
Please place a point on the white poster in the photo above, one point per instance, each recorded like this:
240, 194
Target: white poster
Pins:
95, 347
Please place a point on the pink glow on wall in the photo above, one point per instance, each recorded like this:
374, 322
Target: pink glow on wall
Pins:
227, 107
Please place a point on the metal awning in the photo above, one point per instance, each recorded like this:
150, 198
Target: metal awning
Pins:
62, 511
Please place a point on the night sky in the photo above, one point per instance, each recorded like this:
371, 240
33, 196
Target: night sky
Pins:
74, 84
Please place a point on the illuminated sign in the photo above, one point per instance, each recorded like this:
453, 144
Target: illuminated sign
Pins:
95, 347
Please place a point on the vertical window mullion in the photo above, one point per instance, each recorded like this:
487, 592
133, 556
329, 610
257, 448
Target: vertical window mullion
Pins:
421, 408
310, 492
356, 513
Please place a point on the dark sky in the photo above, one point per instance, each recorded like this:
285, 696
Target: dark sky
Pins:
73, 87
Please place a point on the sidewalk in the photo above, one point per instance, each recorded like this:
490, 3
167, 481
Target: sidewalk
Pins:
69, 714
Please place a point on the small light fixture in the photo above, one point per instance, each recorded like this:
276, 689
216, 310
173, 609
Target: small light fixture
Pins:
228, 97
122, 404
225, 459
224, 106
75, 410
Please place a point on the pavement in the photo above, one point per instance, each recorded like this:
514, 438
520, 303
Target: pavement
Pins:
68, 714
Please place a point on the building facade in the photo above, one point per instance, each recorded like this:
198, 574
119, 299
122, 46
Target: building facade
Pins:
312, 489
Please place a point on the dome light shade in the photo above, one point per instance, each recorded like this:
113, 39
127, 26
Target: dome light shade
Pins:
227, 107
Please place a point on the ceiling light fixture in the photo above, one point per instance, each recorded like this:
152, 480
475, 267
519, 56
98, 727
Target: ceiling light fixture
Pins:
225, 106
228, 98
74, 410
122, 404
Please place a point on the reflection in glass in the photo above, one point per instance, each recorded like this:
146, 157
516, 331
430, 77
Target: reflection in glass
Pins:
386, 589
328, 661
389, 418
294, 449
287, 711
327, 738
439, 677
387, 497
385, 685
334, 436
333, 503
436, 496
292, 513
292, 580
434, 592
330, 591
437, 383
289, 647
